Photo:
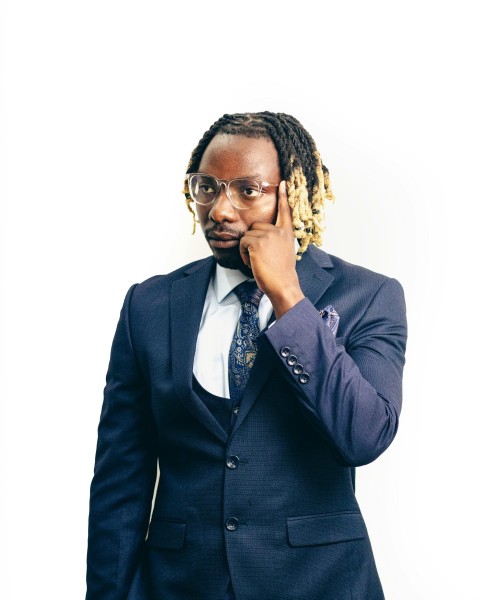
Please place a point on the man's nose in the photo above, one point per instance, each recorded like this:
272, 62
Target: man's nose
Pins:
222, 209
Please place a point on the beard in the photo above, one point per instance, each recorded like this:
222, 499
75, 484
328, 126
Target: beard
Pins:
233, 261
229, 258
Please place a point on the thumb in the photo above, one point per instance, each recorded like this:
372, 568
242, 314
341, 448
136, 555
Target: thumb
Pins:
284, 214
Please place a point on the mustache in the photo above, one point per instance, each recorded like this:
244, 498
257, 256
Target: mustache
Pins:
223, 229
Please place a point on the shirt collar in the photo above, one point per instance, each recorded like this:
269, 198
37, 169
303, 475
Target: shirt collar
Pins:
225, 280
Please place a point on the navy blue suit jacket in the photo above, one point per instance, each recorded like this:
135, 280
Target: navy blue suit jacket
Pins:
283, 524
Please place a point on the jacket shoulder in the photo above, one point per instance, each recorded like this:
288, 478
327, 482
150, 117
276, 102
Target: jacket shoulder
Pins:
163, 281
356, 274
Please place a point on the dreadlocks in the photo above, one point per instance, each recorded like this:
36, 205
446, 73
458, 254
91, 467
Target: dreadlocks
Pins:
307, 179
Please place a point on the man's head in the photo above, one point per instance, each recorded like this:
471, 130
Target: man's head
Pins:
266, 147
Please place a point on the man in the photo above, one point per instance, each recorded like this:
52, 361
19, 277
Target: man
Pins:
257, 399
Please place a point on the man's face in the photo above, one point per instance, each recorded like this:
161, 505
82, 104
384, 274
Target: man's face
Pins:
229, 157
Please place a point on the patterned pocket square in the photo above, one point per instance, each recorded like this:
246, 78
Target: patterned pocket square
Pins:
331, 318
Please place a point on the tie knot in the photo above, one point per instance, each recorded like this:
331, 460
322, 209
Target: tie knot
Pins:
248, 293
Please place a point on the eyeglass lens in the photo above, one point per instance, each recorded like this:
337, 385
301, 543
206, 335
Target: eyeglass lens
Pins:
204, 189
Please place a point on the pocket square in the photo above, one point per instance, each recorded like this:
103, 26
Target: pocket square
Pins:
331, 318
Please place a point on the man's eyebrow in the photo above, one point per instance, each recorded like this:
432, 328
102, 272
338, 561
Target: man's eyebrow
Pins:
250, 176
257, 176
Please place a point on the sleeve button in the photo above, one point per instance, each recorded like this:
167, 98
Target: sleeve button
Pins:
298, 369
285, 351
303, 378
292, 360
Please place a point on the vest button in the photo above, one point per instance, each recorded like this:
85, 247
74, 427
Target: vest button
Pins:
232, 462
231, 524
236, 410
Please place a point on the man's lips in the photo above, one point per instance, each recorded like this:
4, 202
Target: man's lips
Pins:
222, 239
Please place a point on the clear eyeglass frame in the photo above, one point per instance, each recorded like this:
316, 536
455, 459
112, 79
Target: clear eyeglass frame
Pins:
251, 183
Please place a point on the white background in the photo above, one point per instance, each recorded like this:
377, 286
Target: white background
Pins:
102, 103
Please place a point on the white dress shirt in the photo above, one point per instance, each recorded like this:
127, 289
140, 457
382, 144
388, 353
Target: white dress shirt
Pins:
221, 312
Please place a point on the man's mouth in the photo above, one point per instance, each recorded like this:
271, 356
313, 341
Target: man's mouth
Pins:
222, 239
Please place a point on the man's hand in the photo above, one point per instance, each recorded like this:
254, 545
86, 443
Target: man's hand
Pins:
269, 250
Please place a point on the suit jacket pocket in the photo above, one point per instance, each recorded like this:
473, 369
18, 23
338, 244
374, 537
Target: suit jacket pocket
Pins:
169, 535
314, 530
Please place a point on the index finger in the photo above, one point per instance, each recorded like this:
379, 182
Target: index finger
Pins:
284, 214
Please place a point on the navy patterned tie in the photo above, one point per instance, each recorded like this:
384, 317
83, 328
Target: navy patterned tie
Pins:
244, 346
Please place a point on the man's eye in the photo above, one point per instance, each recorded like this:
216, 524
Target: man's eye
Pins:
206, 189
251, 192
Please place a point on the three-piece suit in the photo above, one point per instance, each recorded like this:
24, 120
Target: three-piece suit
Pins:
260, 494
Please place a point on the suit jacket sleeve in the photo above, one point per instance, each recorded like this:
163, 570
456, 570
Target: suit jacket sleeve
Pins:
354, 393
124, 475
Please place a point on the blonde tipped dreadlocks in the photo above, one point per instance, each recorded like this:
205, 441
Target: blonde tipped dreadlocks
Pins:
308, 182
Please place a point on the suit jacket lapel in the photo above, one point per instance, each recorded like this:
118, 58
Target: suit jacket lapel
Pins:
187, 298
314, 282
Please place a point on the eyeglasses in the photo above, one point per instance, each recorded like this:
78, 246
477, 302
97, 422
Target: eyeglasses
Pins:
242, 192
